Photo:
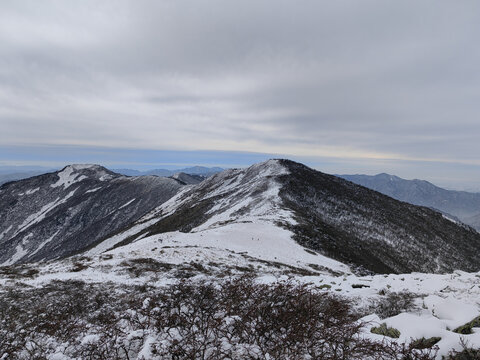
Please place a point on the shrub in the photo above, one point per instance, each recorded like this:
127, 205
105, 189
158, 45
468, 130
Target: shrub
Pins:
466, 329
424, 343
467, 353
393, 304
384, 330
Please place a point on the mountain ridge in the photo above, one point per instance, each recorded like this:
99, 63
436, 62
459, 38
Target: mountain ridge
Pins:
352, 224
89, 209
460, 204
193, 170
59, 213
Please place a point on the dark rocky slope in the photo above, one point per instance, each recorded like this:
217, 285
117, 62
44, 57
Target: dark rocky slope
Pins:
58, 214
458, 204
356, 225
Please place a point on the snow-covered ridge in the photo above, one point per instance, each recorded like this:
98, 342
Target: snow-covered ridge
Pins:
235, 196
66, 211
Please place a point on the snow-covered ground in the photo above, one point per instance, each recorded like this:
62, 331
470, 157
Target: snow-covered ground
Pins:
260, 240
443, 302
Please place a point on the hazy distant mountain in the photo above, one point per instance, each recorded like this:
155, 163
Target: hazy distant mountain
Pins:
4, 178
13, 173
461, 204
194, 170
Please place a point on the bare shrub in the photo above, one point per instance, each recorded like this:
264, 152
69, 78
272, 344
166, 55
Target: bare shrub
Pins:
235, 318
392, 304
467, 352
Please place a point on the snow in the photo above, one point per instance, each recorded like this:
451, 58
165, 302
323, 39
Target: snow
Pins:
261, 240
111, 242
126, 204
93, 190
20, 252
67, 177
32, 191
29, 192
2, 234
40, 215
449, 219
70, 175
44, 243
444, 302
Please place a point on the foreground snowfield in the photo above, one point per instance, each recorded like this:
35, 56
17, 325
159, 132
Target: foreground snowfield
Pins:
443, 302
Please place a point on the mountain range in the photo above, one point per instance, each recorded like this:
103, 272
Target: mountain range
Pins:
194, 170
277, 211
461, 205
14, 173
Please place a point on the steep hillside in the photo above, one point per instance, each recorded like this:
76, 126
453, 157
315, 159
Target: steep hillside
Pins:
58, 214
461, 204
324, 213
357, 225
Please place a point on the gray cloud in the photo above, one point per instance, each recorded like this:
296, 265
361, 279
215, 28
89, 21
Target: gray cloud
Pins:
370, 79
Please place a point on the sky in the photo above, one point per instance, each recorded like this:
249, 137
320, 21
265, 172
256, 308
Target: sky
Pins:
343, 86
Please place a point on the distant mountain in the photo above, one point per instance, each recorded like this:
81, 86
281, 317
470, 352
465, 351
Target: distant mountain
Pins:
62, 213
324, 213
13, 173
188, 179
195, 170
463, 205
4, 178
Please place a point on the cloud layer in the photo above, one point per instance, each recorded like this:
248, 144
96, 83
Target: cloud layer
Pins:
343, 79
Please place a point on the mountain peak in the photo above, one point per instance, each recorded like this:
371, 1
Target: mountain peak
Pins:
78, 167
272, 167
77, 172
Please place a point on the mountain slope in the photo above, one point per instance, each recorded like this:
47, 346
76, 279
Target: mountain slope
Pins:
361, 226
58, 214
329, 215
188, 179
461, 204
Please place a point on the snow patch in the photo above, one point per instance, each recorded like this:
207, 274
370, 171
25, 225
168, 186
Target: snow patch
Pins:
93, 190
40, 215
32, 191
261, 240
67, 177
450, 219
111, 242
40, 247
126, 204
2, 234
20, 252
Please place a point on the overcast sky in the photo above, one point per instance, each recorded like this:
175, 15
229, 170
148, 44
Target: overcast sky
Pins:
346, 86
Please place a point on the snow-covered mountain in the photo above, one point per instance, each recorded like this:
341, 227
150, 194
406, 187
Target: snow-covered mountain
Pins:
324, 214
63, 213
460, 204
148, 248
